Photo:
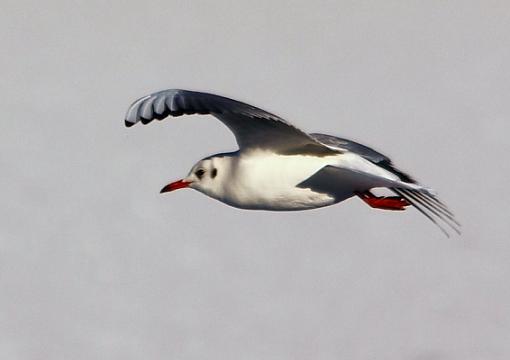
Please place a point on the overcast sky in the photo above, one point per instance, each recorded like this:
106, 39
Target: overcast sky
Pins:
96, 264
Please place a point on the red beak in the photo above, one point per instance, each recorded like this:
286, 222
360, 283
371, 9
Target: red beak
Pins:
180, 184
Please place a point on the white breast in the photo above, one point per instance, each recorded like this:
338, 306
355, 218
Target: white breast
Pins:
268, 181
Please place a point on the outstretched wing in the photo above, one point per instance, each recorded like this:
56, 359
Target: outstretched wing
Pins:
253, 128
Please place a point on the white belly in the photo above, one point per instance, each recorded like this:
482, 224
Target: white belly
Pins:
268, 182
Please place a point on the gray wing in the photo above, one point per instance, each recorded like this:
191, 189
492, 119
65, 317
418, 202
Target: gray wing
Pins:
252, 127
421, 198
364, 151
342, 183
327, 180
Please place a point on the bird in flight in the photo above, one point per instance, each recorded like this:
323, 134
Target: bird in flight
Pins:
282, 168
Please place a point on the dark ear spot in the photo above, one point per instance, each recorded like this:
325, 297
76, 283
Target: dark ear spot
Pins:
214, 172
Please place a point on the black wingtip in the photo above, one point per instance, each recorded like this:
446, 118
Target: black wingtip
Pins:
128, 123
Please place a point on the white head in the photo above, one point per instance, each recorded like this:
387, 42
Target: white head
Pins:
205, 176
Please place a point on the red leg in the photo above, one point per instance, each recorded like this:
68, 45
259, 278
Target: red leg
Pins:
383, 202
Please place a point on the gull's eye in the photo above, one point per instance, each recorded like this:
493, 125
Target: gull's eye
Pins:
199, 173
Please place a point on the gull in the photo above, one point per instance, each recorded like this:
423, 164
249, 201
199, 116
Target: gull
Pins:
279, 167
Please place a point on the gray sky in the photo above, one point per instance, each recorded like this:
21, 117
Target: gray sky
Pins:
96, 264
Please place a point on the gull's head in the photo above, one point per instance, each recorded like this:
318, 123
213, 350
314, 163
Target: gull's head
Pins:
204, 176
